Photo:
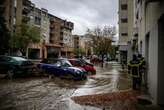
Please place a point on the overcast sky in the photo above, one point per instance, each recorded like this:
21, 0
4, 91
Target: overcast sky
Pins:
83, 13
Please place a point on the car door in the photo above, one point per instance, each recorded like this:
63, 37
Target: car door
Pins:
4, 64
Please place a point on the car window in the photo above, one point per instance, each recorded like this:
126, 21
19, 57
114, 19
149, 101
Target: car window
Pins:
58, 63
66, 63
77, 63
5, 59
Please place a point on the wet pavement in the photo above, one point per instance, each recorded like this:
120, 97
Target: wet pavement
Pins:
42, 93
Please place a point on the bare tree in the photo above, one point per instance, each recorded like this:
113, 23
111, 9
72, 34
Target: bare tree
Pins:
101, 40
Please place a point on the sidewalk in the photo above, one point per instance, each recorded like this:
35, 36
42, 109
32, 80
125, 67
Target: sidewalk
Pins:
123, 100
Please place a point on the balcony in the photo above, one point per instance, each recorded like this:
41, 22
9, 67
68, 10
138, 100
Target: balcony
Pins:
26, 10
68, 25
26, 3
25, 19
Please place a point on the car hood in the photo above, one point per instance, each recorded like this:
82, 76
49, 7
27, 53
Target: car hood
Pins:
75, 68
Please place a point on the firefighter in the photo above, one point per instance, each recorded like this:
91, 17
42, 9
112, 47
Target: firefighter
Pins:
134, 67
142, 67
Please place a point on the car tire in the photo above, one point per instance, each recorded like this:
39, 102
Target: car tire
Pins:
67, 76
10, 74
84, 77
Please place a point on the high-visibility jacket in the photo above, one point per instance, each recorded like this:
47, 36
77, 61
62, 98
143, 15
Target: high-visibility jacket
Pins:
134, 67
142, 63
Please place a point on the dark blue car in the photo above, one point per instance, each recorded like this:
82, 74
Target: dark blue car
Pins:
62, 68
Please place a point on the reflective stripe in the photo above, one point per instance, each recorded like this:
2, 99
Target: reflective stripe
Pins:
136, 76
131, 70
134, 65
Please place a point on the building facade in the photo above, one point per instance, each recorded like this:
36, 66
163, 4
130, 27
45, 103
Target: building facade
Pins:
9, 13
56, 33
61, 34
149, 19
126, 22
66, 38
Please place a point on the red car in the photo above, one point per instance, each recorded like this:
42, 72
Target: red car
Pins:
88, 67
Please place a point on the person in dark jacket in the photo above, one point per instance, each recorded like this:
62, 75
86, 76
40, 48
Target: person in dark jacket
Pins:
134, 67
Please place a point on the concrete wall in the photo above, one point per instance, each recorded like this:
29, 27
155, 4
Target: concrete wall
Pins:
152, 43
153, 62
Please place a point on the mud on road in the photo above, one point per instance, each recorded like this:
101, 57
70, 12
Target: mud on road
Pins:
42, 93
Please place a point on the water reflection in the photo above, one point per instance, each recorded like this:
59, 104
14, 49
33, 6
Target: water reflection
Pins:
107, 79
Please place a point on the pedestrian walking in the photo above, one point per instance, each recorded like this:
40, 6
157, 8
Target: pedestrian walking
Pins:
134, 67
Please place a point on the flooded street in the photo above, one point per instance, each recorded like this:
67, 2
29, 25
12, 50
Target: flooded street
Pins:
42, 93
108, 79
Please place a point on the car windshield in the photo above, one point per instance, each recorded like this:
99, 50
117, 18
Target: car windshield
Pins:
57, 62
66, 63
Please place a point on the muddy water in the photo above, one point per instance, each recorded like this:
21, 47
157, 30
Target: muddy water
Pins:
108, 79
54, 94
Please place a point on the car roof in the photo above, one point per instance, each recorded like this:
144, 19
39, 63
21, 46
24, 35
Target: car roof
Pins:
16, 58
73, 59
54, 59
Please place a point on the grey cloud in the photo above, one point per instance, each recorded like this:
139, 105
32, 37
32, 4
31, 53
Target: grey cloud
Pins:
84, 13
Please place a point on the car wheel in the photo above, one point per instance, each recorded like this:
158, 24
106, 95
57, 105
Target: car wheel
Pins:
10, 74
84, 77
67, 76
45, 72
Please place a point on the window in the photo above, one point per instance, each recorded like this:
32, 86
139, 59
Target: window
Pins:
15, 3
124, 34
137, 15
124, 7
37, 20
124, 20
14, 21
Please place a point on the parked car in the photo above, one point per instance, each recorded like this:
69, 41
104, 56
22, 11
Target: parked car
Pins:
83, 64
12, 66
62, 68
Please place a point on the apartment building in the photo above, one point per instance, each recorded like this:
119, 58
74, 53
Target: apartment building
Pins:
9, 14
76, 40
66, 38
85, 44
61, 34
56, 33
40, 19
15, 13
126, 22
149, 19
66, 29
